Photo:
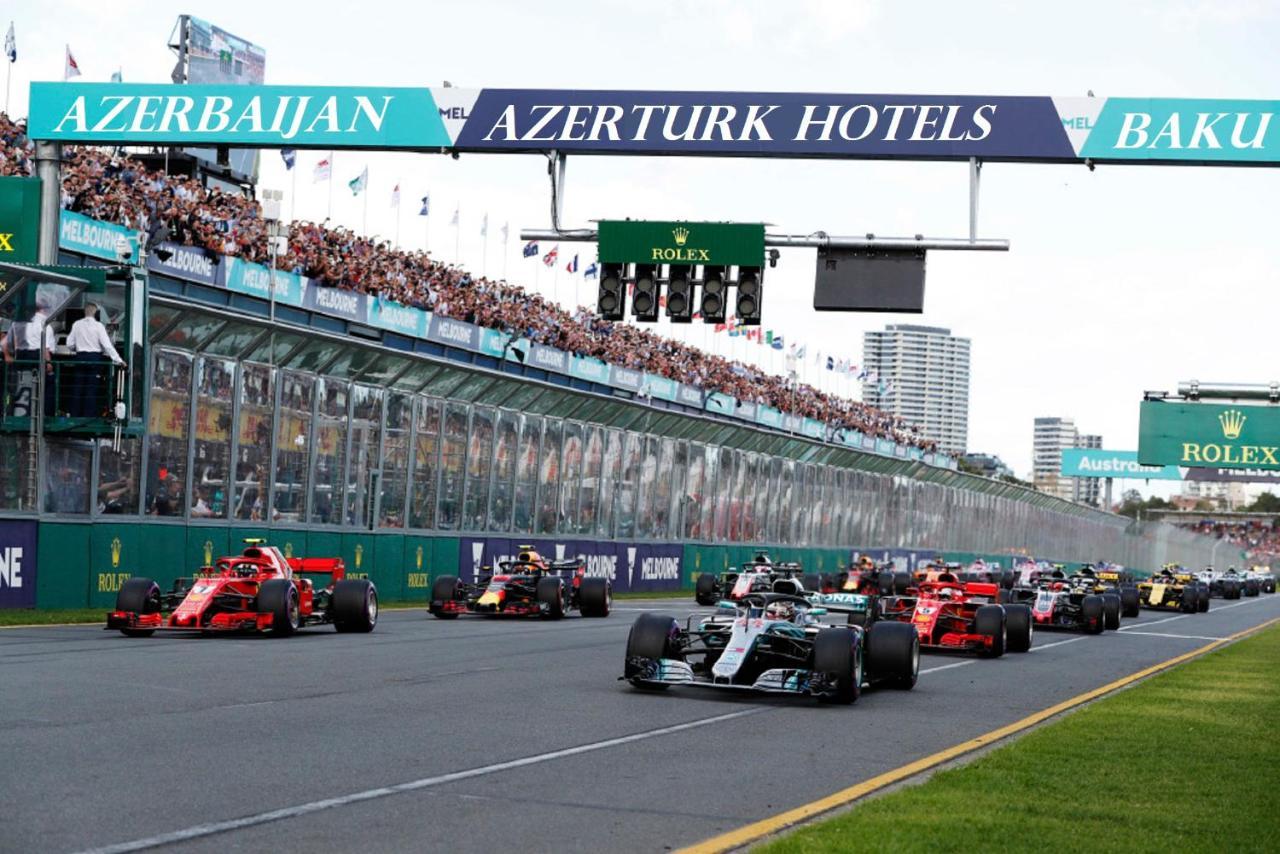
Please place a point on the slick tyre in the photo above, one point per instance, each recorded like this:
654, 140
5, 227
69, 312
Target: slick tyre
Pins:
837, 653
1190, 602
1008, 578
1230, 590
1092, 615
811, 582
704, 590
138, 596
279, 598
652, 637
1251, 588
1130, 602
443, 590
885, 581
1202, 604
1019, 627
355, 605
893, 654
550, 594
595, 597
1110, 611
990, 622
901, 581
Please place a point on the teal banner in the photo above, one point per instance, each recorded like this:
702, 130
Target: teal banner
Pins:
722, 403
660, 387
1093, 462
375, 117
814, 429
587, 368
386, 314
768, 416
255, 280
79, 233
1202, 130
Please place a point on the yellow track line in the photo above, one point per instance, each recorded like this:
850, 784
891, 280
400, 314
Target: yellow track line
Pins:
744, 836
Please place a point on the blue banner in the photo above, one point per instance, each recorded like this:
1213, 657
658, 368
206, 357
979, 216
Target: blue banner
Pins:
548, 359
1089, 462
407, 320
632, 567
625, 378
18, 563
256, 280
455, 333
184, 262
338, 302
588, 368
88, 236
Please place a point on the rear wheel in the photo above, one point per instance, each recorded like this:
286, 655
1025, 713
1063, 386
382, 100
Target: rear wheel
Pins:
811, 582
355, 605
1202, 604
1092, 614
1251, 588
705, 589
901, 581
595, 597
884, 580
1230, 590
1110, 611
652, 637
279, 598
1019, 627
837, 652
990, 622
893, 654
550, 595
1130, 602
443, 590
138, 596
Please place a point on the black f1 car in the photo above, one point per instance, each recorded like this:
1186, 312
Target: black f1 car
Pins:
771, 642
530, 585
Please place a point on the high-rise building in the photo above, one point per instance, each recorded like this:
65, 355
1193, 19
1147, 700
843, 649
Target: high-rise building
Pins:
1051, 437
921, 374
1088, 489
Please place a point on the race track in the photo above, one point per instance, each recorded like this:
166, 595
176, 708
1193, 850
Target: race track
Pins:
498, 734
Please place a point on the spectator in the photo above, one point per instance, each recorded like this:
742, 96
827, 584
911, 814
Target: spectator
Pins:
89, 340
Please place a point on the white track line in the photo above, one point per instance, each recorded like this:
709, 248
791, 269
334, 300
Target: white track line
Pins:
1041, 647
1163, 635
202, 830
948, 666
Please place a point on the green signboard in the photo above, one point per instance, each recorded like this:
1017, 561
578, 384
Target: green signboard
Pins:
1209, 434
717, 243
19, 220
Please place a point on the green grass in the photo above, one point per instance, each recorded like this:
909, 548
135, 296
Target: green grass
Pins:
47, 616
1188, 760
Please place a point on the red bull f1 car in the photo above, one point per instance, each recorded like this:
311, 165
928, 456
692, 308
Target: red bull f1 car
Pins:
529, 586
773, 643
954, 615
258, 590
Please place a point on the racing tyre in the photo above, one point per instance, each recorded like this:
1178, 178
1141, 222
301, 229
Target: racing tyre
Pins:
1110, 611
138, 596
705, 589
1092, 614
550, 593
1190, 602
355, 605
885, 581
443, 590
1230, 590
990, 621
1269, 586
811, 582
1251, 588
1130, 602
652, 636
279, 598
1002, 596
595, 597
1202, 604
1019, 627
901, 581
893, 654
837, 652
1008, 578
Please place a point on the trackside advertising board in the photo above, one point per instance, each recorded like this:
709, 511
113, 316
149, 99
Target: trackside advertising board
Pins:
744, 124
630, 566
1209, 435
1091, 462
18, 563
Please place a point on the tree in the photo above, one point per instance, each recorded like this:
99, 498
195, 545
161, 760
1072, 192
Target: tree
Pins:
1267, 502
1134, 506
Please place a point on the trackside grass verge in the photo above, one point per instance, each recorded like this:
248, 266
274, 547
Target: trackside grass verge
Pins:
1185, 761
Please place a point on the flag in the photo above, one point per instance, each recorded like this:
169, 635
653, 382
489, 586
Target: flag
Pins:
456, 211
426, 206
117, 76
506, 231
323, 172
531, 249
289, 156
71, 68
777, 342
831, 363
395, 196
11, 44
358, 183
572, 266
800, 354
484, 226
591, 272
551, 257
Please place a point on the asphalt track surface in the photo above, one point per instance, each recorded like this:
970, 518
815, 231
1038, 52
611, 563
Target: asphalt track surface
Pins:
473, 734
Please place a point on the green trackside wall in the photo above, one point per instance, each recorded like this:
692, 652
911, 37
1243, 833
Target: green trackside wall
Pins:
83, 564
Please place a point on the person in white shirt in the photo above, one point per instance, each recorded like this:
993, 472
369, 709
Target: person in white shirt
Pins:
21, 345
89, 340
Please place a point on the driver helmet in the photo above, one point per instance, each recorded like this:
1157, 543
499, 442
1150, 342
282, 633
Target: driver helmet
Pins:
947, 593
780, 611
865, 562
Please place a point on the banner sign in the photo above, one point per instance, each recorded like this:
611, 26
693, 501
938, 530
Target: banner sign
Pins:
768, 416
94, 237
814, 429
20, 220
719, 402
1036, 129
548, 359
588, 368
407, 320
792, 423
337, 302
632, 567
245, 277
1209, 435
625, 378
456, 333
184, 262
492, 342
18, 563
689, 395
635, 241
660, 387
1233, 475
1087, 462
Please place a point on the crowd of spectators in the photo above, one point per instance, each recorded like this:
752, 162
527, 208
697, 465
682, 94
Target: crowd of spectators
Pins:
1259, 539
106, 184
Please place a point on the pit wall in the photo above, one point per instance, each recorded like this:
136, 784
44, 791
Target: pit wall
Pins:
83, 564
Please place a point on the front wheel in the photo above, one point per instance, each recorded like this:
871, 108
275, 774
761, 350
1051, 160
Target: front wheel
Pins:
837, 654
1130, 602
705, 589
443, 590
595, 597
990, 622
138, 596
1092, 616
550, 595
651, 639
893, 654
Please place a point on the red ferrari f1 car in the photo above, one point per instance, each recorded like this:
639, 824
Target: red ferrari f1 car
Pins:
259, 590
530, 585
950, 614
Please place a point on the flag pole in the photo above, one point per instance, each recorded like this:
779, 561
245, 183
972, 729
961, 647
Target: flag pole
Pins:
293, 193
332, 168
8, 74
484, 262
398, 217
364, 224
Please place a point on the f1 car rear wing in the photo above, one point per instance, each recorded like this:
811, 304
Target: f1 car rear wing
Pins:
319, 566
